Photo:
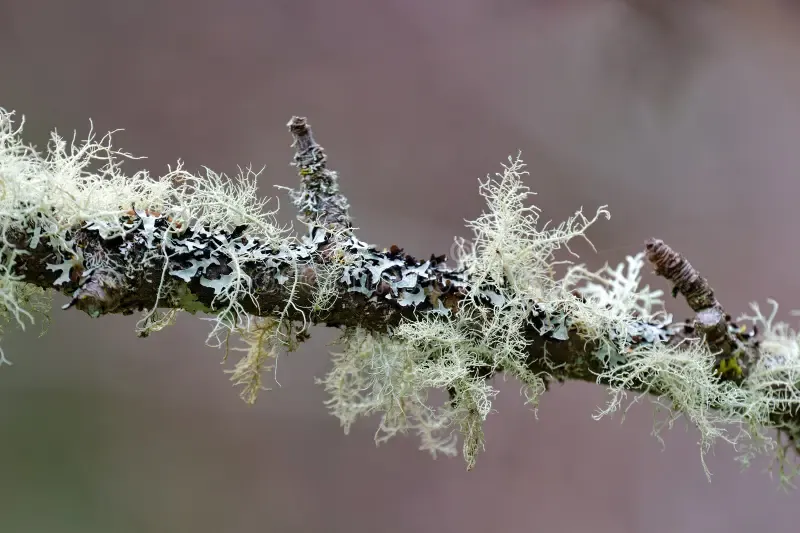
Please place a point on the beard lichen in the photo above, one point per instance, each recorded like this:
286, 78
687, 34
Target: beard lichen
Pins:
503, 287
80, 184
509, 272
265, 339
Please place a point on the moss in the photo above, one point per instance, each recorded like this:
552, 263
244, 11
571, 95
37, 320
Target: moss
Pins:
730, 368
188, 301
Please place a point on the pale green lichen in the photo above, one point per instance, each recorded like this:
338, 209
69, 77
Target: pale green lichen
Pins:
509, 263
773, 386
613, 307
20, 302
328, 273
265, 338
686, 383
77, 183
379, 374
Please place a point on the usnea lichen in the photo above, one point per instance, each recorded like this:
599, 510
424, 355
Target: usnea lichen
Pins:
81, 184
459, 326
509, 269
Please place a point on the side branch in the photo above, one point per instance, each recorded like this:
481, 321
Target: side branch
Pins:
734, 355
318, 199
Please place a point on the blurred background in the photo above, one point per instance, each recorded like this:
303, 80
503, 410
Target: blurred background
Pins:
682, 116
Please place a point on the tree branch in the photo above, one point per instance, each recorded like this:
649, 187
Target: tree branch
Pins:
318, 199
148, 257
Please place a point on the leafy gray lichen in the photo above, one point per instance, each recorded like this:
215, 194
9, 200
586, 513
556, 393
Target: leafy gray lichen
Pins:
213, 231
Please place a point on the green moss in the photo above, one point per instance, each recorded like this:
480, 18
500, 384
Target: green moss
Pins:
187, 301
730, 368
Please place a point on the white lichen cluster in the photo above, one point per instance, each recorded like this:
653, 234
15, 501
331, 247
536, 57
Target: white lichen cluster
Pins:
684, 382
265, 339
376, 374
682, 378
509, 265
81, 183
505, 284
773, 387
614, 309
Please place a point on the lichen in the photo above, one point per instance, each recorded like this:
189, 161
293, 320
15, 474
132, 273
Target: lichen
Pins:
265, 338
377, 374
78, 184
686, 380
613, 309
458, 327
507, 273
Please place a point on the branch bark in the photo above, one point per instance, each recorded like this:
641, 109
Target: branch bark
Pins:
185, 268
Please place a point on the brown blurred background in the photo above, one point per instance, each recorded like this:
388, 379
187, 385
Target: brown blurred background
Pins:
684, 118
